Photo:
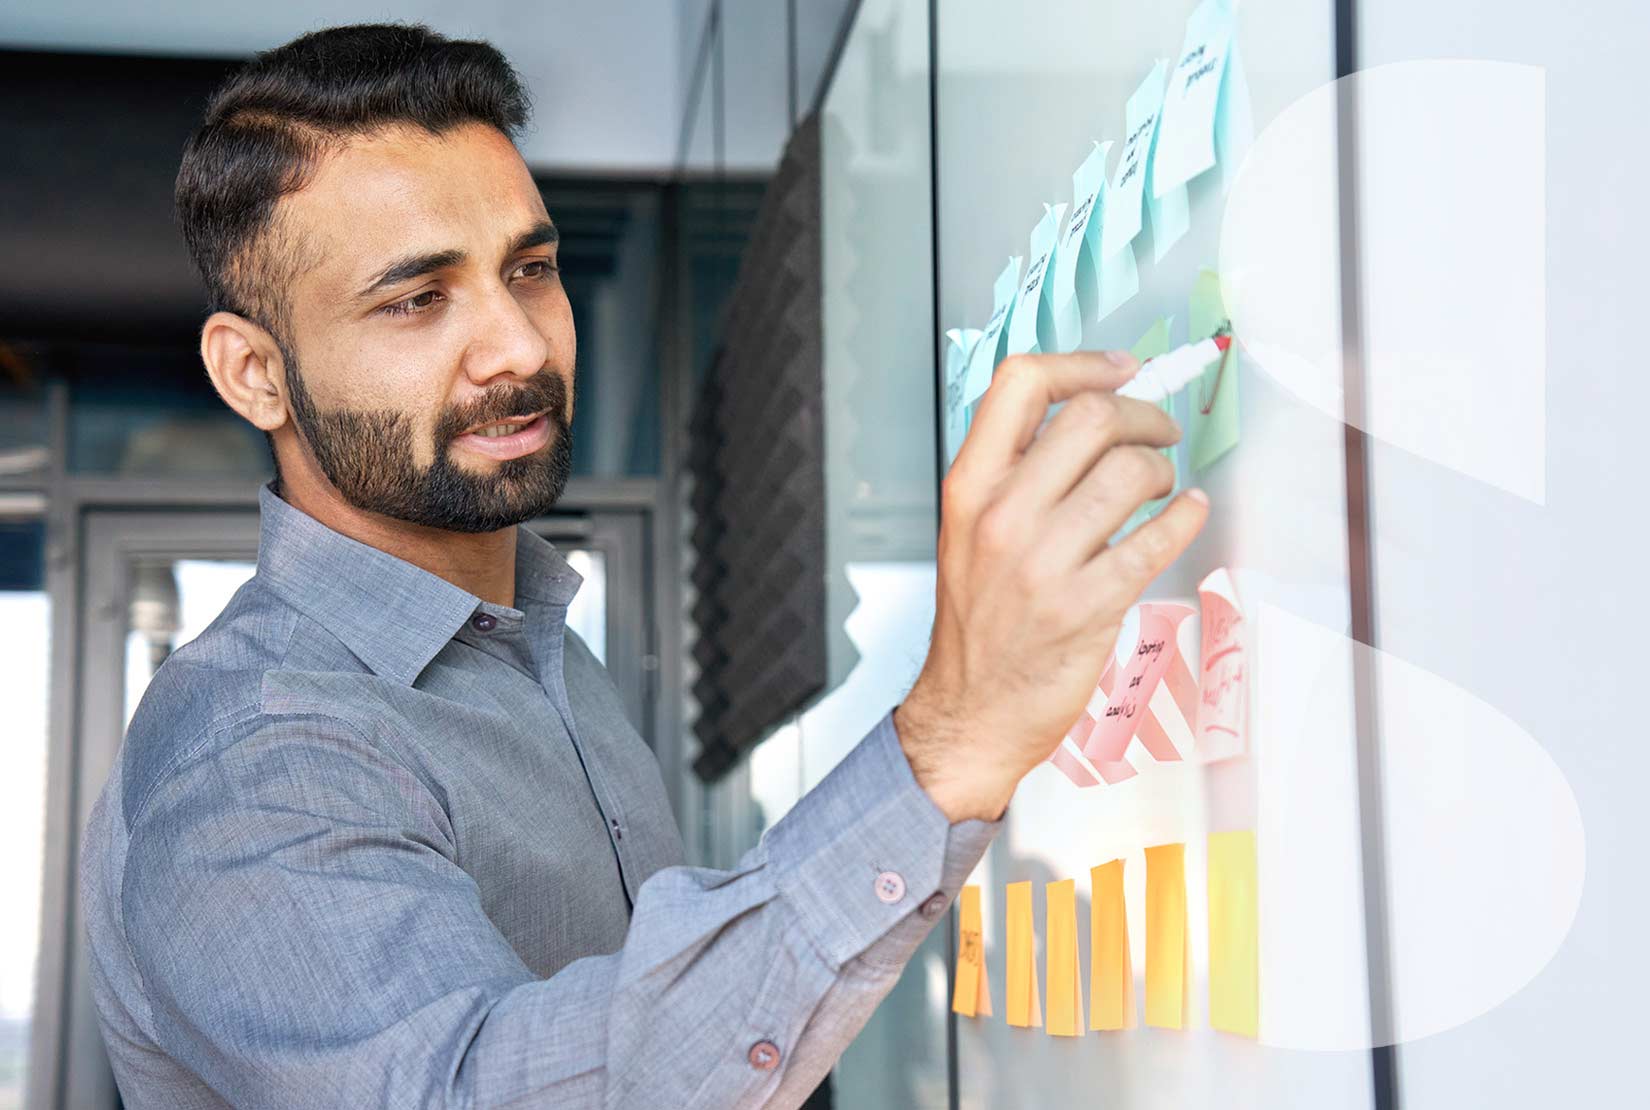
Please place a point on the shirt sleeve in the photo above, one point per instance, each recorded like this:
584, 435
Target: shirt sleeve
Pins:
294, 903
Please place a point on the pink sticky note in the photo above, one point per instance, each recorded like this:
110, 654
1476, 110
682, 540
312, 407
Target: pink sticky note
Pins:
1223, 699
1066, 760
1127, 714
1112, 766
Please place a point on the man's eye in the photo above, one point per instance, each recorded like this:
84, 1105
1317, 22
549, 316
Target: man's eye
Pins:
546, 270
413, 305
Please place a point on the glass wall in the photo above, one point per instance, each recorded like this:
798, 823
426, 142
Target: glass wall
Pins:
880, 498
1024, 94
881, 512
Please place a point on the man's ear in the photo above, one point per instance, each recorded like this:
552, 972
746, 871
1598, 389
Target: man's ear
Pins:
246, 368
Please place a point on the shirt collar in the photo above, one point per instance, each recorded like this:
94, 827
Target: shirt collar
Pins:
393, 615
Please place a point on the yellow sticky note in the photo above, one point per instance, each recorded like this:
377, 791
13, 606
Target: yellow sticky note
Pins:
1166, 936
1234, 934
1024, 1009
973, 994
1111, 968
1065, 985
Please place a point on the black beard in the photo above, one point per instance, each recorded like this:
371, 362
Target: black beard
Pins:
368, 458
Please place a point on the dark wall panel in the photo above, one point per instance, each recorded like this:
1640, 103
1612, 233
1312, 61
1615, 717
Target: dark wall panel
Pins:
758, 466
90, 145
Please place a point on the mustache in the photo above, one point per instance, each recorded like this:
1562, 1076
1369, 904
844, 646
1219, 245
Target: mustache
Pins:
545, 392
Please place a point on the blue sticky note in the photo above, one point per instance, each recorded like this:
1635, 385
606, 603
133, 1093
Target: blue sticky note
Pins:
1140, 118
1234, 120
1032, 323
1065, 311
959, 344
1075, 287
982, 361
1186, 136
1171, 219
1119, 281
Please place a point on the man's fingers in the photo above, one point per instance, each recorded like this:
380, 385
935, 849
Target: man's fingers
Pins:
1121, 573
1124, 479
1022, 389
1091, 425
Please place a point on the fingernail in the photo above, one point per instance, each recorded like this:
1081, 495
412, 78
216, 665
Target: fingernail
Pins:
1197, 495
1119, 358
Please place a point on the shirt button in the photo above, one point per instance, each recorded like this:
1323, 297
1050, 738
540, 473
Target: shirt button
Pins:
764, 1056
484, 622
890, 887
933, 907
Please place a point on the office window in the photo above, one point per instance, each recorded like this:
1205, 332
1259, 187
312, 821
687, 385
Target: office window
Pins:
25, 630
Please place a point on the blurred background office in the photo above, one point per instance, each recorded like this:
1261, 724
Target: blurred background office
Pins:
770, 212
128, 511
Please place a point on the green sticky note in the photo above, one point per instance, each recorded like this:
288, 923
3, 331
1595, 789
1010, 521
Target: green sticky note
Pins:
1206, 311
1213, 428
1155, 342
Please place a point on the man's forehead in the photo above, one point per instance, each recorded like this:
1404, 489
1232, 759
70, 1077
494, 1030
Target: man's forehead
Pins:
405, 192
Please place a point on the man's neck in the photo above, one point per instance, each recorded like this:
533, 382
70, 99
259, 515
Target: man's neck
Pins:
483, 563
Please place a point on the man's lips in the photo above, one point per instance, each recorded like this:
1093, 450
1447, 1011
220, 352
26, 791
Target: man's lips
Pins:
519, 421
531, 436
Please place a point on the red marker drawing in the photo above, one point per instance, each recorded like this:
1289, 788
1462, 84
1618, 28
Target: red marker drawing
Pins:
1164, 376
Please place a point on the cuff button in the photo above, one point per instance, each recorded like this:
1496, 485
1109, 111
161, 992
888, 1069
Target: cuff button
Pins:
764, 1056
934, 906
890, 887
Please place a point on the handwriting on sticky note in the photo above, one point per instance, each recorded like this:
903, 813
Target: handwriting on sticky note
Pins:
1111, 968
1140, 115
1153, 655
972, 997
1166, 954
1234, 934
982, 360
1024, 1008
1186, 135
1075, 288
1032, 326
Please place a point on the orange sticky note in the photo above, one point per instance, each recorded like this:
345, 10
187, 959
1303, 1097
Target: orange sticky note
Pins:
1234, 934
1166, 936
1065, 985
1024, 1009
973, 994
1111, 968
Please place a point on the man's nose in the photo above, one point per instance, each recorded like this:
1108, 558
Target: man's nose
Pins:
505, 340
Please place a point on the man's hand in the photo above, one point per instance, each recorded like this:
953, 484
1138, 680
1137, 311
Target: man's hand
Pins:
1030, 595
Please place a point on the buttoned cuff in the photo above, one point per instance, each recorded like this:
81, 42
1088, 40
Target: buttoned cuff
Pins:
867, 850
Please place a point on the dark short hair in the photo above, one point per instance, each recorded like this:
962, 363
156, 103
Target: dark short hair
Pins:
268, 125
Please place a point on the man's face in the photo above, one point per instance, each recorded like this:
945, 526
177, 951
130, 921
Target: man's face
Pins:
435, 308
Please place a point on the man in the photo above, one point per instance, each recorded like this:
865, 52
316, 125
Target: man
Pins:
381, 836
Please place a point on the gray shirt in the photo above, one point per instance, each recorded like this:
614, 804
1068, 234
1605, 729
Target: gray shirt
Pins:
373, 841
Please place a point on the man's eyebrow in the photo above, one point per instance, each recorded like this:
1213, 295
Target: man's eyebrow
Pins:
417, 265
540, 234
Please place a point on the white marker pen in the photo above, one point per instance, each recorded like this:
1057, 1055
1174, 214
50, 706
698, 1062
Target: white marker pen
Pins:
1164, 376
